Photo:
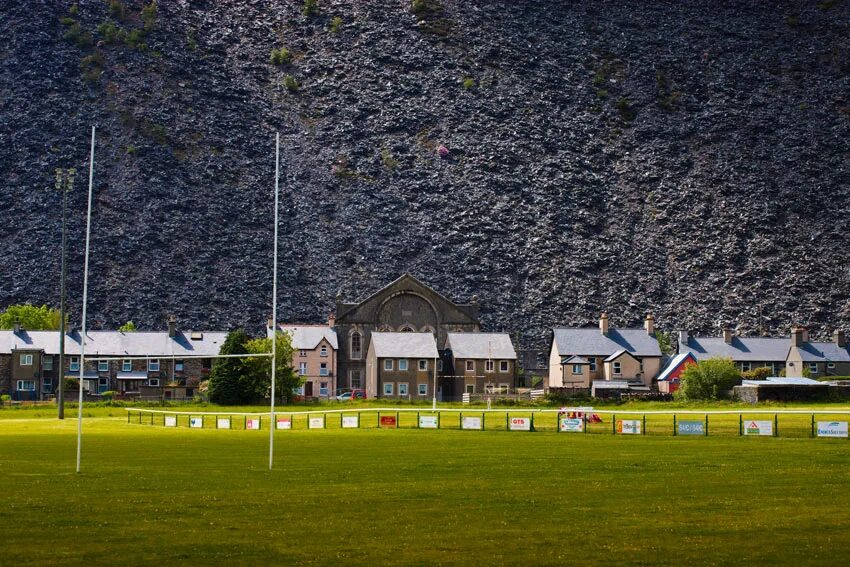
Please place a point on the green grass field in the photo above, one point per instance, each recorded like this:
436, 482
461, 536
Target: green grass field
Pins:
155, 495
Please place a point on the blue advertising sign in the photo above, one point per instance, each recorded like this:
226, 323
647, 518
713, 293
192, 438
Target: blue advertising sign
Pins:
691, 428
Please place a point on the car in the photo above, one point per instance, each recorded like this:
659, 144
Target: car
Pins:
352, 395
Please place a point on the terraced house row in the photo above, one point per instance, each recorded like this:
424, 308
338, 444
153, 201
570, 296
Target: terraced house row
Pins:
407, 341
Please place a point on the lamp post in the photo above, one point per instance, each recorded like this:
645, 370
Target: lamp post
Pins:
65, 184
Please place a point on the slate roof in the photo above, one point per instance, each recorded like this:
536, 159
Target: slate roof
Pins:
404, 345
783, 381
308, 337
741, 349
675, 362
824, 352
116, 343
617, 355
481, 345
590, 341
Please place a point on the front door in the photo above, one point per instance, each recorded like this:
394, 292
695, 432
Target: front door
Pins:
308, 389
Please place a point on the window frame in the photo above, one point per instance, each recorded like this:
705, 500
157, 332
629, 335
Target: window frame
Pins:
351, 350
74, 364
504, 366
389, 387
577, 369
323, 388
423, 363
489, 366
153, 362
405, 386
103, 366
20, 389
179, 366
351, 374
153, 382
389, 364
323, 369
421, 384
27, 358
302, 369
47, 362
323, 351
403, 365
813, 367
616, 368
504, 388
126, 365
469, 388
470, 365
592, 365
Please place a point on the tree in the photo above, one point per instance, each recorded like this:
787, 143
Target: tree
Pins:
708, 379
226, 375
30, 317
258, 375
665, 342
760, 373
128, 327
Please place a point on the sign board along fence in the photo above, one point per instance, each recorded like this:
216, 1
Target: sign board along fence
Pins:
832, 429
762, 428
284, 423
571, 424
471, 423
350, 421
196, 422
389, 421
429, 422
222, 423
316, 422
171, 421
519, 424
629, 426
690, 428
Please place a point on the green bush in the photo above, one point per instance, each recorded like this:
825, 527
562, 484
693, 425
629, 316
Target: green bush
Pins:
108, 395
78, 36
761, 373
311, 8
710, 379
5, 398
149, 16
335, 25
111, 33
92, 67
468, 83
625, 109
74, 10
66, 21
290, 83
117, 10
280, 56
136, 40
388, 160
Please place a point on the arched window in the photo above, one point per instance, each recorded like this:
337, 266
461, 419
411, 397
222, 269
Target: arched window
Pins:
356, 345
407, 329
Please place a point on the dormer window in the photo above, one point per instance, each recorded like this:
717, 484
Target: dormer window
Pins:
323, 351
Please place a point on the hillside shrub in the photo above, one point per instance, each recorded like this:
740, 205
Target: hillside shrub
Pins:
311, 8
290, 83
280, 56
335, 25
117, 10
78, 36
136, 40
149, 16
111, 33
468, 83
710, 379
388, 160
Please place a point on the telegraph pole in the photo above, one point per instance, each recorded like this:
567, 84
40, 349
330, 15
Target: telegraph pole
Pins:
64, 183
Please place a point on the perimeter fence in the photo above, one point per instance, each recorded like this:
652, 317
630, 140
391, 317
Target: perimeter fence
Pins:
743, 423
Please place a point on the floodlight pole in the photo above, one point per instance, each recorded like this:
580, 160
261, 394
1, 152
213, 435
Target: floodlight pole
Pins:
85, 301
272, 423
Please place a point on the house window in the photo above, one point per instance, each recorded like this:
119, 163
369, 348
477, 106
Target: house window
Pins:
323, 388
26, 385
103, 366
504, 389
47, 362
746, 366
388, 388
503, 366
488, 366
592, 361
617, 368
47, 385
323, 369
26, 360
470, 366
641, 365
126, 365
423, 365
423, 389
388, 364
402, 364
576, 368
470, 388
75, 364
302, 369
153, 382
354, 378
302, 353
439, 364
813, 367
178, 366
323, 351
830, 365
356, 345
153, 365
402, 388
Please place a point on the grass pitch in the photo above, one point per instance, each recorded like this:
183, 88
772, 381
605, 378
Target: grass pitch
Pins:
151, 495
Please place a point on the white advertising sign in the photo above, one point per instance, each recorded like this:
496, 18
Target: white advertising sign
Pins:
284, 423
350, 422
317, 423
252, 423
471, 423
758, 428
832, 429
428, 421
196, 422
628, 426
171, 421
572, 424
519, 424
223, 423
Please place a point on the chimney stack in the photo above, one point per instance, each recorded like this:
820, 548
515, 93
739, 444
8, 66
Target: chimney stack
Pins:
17, 326
649, 324
805, 334
172, 326
797, 336
269, 323
603, 324
839, 338
727, 335
331, 320
683, 338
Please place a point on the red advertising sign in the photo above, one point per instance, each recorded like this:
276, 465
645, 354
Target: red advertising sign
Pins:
388, 421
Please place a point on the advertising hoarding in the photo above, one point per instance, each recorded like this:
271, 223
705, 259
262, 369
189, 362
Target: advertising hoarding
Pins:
571, 424
519, 424
832, 429
629, 426
471, 423
764, 428
350, 422
690, 428
197, 422
316, 423
428, 422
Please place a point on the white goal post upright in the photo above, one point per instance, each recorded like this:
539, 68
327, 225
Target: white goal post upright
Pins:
272, 423
85, 300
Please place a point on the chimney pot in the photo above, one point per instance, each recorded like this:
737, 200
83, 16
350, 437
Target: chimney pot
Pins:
840, 338
727, 335
797, 336
331, 320
172, 326
603, 323
649, 324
